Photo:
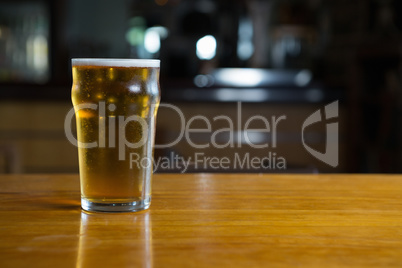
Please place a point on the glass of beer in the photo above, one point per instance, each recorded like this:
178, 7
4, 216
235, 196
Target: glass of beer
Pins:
115, 103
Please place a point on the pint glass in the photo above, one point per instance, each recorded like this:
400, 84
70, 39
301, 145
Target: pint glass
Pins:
115, 103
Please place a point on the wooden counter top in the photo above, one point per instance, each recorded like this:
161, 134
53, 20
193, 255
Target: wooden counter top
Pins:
207, 220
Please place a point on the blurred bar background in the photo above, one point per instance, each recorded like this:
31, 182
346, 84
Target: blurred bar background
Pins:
276, 57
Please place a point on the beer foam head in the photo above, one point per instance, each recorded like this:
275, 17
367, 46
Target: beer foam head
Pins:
145, 63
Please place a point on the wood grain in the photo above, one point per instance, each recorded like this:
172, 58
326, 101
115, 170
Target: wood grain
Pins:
207, 220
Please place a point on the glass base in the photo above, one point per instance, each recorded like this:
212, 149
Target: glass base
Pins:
115, 207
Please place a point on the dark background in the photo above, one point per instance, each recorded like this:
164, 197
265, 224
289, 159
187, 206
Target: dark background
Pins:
351, 51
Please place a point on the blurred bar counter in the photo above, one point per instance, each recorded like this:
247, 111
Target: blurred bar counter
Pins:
34, 129
222, 85
313, 94
254, 95
251, 85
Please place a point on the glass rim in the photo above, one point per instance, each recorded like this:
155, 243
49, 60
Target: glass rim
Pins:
116, 62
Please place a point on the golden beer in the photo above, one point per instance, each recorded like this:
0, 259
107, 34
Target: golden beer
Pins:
115, 102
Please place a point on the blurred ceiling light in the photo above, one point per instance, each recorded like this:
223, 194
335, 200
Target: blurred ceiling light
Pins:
239, 77
162, 31
203, 80
245, 50
37, 56
303, 78
250, 95
152, 38
245, 47
152, 41
206, 47
135, 33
